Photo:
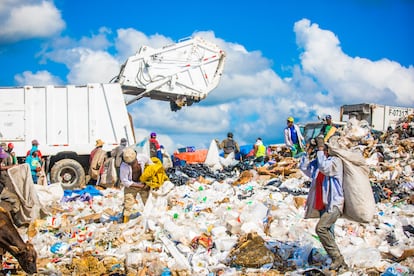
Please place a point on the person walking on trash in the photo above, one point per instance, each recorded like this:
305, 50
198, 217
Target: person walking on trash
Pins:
229, 145
293, 137
97, 158
117, 154
326, 197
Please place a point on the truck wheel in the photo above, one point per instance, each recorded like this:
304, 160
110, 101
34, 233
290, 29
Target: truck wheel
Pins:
69, 173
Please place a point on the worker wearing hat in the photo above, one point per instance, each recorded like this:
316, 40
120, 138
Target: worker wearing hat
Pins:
9, 150
229, 145
132, 167
116, 153
328, 129
97, 158
35, 147
155, 147
293, 137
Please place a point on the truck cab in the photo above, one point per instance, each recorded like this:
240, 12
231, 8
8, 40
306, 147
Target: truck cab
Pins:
312, 129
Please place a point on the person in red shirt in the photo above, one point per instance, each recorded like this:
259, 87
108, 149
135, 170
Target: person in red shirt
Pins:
155, 148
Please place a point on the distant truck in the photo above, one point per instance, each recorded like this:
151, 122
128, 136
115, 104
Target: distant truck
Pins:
379, 117
67, 120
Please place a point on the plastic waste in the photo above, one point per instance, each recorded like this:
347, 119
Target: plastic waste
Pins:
59, 248
396, 270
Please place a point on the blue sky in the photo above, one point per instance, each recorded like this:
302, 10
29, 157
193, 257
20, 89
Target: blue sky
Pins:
284, 58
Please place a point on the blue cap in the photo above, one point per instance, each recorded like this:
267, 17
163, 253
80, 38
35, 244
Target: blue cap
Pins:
328, 117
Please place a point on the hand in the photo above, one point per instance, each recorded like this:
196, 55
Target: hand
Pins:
138, 185
320, 142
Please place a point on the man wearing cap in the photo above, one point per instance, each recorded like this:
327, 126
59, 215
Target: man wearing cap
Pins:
325, 198
328, 128
117, 154
293, 137
131, 169
35, 147
9, 150
229, 145
97, 158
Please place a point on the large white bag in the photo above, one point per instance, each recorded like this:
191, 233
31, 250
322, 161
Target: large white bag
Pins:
359, 198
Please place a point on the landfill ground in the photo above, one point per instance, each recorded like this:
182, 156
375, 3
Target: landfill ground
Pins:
241, 220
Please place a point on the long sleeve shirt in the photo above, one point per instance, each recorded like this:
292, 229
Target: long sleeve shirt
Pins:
125, 173
332, 186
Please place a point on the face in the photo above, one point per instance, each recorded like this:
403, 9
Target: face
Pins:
289, 123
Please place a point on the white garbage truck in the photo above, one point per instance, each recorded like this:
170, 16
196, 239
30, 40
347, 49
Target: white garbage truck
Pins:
378, 116
67, 120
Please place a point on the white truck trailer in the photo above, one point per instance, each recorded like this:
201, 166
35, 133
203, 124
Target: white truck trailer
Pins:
379, 117
67, 120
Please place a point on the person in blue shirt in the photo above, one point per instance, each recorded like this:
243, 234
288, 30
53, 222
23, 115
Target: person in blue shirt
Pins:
293, 137
326, 198
35, 164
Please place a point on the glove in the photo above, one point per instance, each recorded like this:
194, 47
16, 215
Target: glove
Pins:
320, 142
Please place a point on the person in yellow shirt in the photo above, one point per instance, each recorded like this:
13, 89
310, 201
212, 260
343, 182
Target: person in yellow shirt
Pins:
259, 151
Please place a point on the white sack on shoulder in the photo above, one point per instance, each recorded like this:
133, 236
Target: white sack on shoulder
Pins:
359, 198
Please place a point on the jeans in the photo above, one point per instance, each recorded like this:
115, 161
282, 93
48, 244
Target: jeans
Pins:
324, 229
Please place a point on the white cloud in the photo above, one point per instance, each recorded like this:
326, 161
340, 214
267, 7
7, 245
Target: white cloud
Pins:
93, 66
38, 78
345, 77
22, 20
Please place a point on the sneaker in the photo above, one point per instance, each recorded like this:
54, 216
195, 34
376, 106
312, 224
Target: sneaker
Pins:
338, 263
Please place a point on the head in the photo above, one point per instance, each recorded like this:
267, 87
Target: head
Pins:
328, 119
230, 135
10, 146
123, 142
153, 135
129, 155
99, 143
35, 143
290, 121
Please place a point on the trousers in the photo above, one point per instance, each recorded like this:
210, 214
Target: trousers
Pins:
324, 229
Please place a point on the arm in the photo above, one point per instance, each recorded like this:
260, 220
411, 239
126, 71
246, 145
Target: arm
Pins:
288, 142
330, 166
124, 175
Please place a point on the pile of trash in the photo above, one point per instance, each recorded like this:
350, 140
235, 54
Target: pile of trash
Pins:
240, 220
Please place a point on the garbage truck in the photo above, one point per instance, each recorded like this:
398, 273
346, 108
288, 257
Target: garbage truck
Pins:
378, 116
67, 120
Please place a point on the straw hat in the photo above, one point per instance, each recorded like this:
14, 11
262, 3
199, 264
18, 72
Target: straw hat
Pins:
129, 155
99, 143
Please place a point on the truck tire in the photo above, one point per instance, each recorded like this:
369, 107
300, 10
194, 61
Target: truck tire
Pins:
69, 173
